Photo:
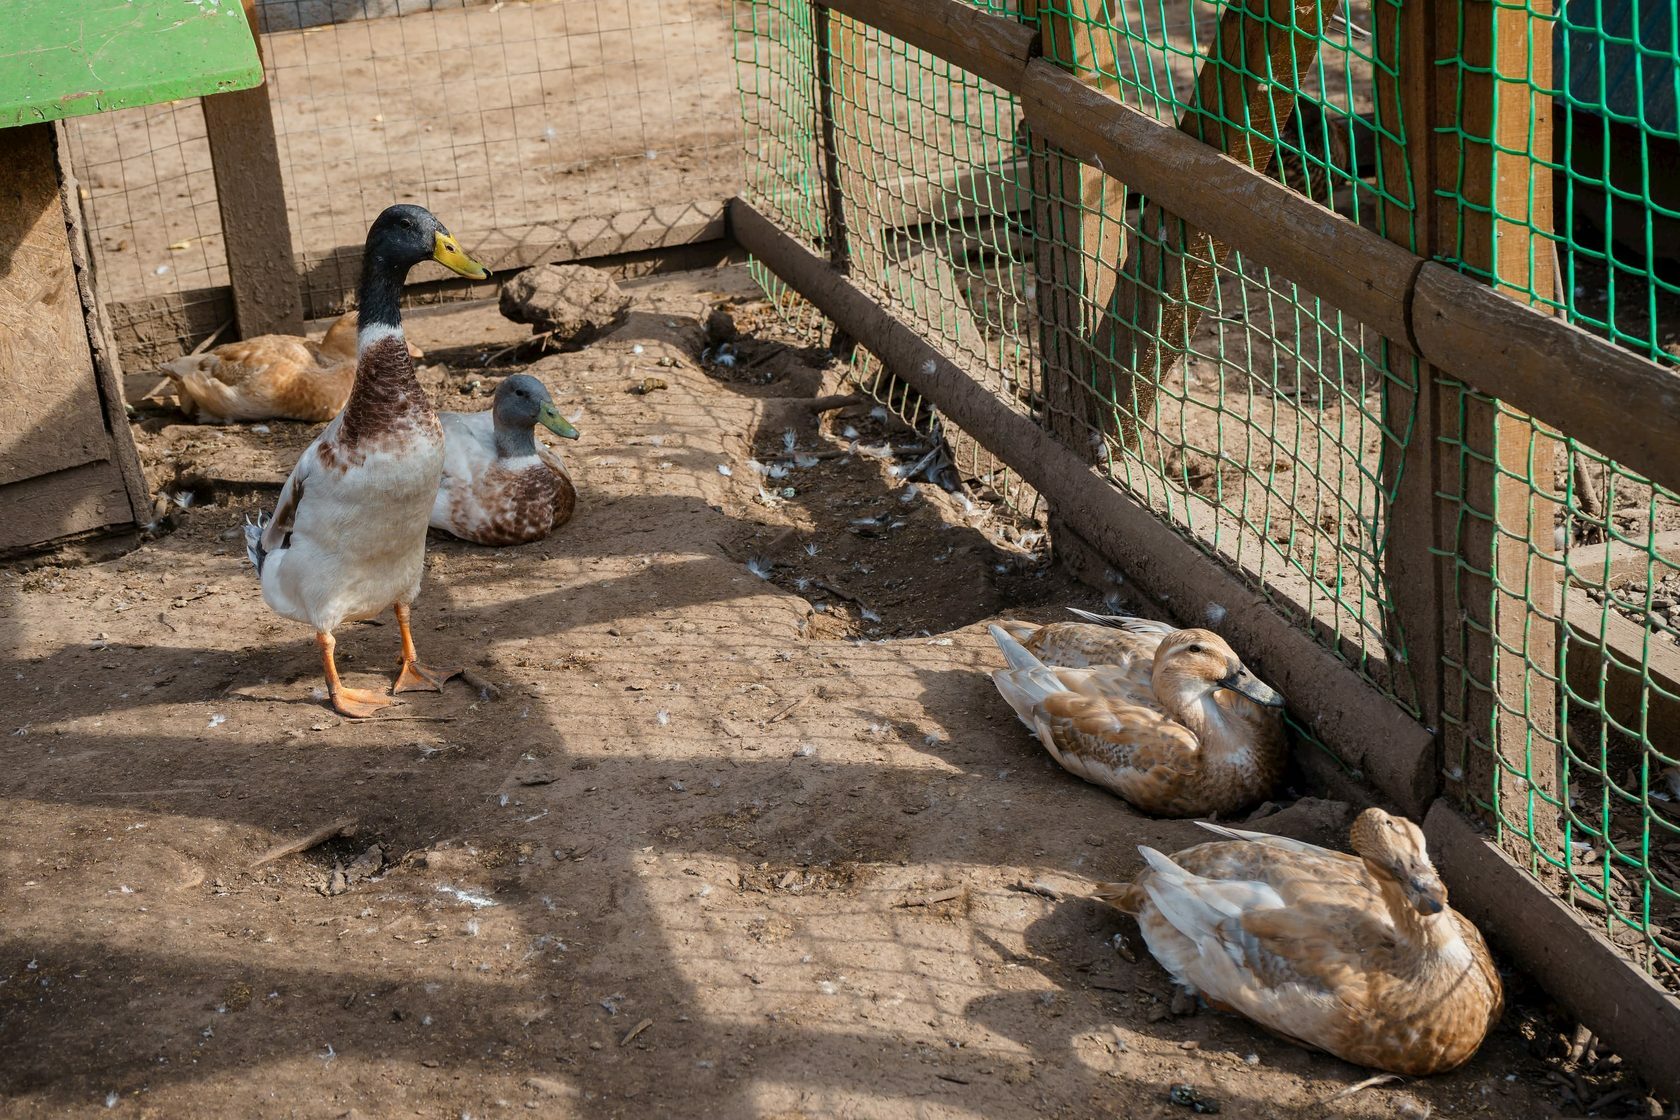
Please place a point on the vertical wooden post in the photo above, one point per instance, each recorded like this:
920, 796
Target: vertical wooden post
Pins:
1409, 89
251, 196
1079, 230
1479, 138
840, 344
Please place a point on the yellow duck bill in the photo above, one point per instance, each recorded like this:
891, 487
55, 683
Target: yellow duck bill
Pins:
449, 255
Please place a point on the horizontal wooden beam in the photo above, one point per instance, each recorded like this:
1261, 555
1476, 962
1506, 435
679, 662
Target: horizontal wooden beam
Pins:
1365, 728
1610, 399
1640, 671
995, 48
1573, 963
1347, 265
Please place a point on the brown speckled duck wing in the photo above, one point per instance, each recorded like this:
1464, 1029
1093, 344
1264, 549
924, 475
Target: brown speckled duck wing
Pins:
1082, 644
1130, 749
565, 491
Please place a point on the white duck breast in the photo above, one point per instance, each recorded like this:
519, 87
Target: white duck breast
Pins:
340, 556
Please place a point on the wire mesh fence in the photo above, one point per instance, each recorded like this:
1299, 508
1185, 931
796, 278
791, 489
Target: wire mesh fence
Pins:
537, 130
1271, 428
1570, 740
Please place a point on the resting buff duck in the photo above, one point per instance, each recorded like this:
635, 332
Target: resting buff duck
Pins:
1359, 955
1174, 723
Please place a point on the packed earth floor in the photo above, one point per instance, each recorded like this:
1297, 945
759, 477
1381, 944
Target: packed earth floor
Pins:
728, 820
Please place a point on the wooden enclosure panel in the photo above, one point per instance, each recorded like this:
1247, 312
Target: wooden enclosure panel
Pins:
50, 416
63, 504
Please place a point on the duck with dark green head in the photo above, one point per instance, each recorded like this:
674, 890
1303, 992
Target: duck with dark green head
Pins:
500, 486
348, 536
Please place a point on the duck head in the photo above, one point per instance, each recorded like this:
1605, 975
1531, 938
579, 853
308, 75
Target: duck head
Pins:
521, 403
1195, 663
400, 238
404, 235
1395, 849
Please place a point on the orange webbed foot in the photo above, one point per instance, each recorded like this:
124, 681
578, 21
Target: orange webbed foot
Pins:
415, 677
359, 703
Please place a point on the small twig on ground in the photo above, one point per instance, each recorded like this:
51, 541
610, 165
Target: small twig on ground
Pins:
934, 898
1039, 889
829, 404
345, 826
1358, 1086
782, 713
836, 592
634, 1031
775, 348
484, 685
542, 337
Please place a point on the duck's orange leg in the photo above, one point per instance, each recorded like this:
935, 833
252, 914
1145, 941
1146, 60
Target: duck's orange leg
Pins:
413, 676
356, 703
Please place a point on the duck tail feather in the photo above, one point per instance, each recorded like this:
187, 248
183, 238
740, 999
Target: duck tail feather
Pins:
1130, 623
1174, 892
1026, 689
254, 550
1124, 897
1018, 656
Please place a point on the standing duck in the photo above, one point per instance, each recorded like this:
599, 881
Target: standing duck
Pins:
1359, 956
348, 536
500, 486
1184, 730
270, 377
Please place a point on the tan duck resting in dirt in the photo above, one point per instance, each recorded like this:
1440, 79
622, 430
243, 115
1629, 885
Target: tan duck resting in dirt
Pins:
500, 486
348, 536
1356, 955
1174, 722
270, 377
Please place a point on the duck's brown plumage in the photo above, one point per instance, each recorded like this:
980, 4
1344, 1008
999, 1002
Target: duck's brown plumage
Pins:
270, 377
1357, 955
1158, 728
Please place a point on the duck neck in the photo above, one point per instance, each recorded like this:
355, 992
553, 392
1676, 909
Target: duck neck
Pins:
1425, 939
515, 443
385, 386
1193, 703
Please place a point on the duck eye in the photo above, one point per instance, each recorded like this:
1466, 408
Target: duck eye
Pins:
1197, 648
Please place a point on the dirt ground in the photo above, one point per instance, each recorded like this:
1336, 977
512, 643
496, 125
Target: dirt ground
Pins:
732, 822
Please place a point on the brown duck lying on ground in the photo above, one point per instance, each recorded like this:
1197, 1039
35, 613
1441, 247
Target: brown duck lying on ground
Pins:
1357, 955
270, 377
1170, 720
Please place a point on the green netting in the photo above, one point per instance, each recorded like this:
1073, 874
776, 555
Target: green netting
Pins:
1269, 427
1567, 563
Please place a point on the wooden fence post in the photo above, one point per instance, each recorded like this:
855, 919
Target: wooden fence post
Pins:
840, 344
1261, 53
1474, 600
1079, 231
251, 196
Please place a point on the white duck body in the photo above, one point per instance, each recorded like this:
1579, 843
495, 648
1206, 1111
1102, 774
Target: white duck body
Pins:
349, 533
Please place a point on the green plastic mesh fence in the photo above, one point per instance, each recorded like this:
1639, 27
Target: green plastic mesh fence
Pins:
1569, 734
1267, 426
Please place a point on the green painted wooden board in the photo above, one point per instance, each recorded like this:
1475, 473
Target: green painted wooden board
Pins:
66, 58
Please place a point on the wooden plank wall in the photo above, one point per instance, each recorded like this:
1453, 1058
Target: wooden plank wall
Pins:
61, 470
